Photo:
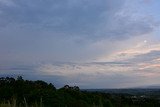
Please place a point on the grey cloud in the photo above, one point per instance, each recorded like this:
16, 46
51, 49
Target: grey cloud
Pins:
50, 10
111, 63
39, 29
85, 78
63, 30
29, 72
147, 57
17, 69
66, 30
125, 27
86, 19
117, 80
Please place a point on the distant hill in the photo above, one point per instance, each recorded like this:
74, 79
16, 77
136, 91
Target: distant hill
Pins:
154, 87
157, 86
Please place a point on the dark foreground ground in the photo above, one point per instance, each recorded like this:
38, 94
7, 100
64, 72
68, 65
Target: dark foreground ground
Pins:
26, 93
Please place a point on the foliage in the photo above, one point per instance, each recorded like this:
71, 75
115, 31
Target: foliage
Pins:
24, 93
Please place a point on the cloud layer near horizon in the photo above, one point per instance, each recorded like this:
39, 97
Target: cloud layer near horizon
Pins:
106, 43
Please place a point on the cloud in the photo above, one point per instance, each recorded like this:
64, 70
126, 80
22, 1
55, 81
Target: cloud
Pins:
152, 55
90, 43
125, 73
7, 3
92, 74
87, 20
32, 41
102, 74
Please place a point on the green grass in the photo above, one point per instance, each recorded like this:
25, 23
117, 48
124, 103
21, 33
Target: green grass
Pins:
13, 103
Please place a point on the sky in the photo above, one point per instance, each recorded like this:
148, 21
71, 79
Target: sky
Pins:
88, 43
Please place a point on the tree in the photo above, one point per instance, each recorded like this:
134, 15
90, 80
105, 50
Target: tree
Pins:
20, 78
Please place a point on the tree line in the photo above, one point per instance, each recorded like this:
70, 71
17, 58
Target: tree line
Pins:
45, 94
26, 93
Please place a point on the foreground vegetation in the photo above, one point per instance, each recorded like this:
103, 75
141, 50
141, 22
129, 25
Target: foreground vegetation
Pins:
25, 93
